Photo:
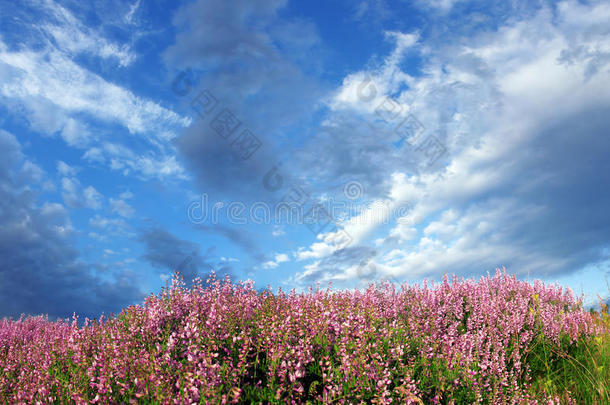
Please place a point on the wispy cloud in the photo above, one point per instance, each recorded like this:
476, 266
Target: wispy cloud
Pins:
505, 196
44, 80
71, 35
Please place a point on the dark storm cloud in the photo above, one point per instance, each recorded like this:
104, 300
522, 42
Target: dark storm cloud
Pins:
166, 251
218, 166
223, 32
566, 170
238, 50
239, 237
560, 180
40, 271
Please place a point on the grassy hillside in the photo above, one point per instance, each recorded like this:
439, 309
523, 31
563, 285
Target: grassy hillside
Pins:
496, 340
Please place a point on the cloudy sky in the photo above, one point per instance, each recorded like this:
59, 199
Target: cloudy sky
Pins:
295, 142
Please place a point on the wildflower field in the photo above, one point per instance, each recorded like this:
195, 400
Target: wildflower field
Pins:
495, 340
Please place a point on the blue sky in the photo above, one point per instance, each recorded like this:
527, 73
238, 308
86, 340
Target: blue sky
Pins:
293, 143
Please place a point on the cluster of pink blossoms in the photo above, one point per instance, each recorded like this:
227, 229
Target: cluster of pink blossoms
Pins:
458, 341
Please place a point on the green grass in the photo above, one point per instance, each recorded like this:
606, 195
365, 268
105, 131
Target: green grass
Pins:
580, 374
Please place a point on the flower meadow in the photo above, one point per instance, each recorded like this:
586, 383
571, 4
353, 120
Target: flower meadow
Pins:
495, 340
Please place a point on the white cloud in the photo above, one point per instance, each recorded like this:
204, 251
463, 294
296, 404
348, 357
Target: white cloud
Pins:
402, 232
49, 186
443, 6
123, 159
72, 191
103, 223
93, 198
278, 231
64, 169
58, 218
76, 134
490, 99
126, 195
96, 236
51, 77
279, 258
129, 17
364, 91
76, 197
355, 229
73, 36
317, 250
32, 172
121, 207
94, 155
57, 95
